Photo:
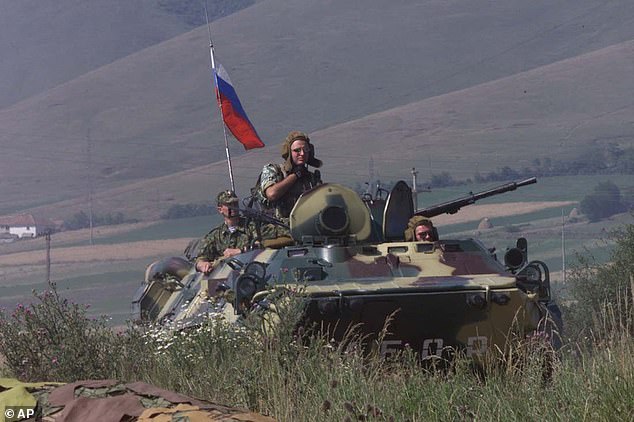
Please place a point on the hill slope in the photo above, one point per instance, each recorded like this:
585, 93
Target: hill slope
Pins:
553, 111
45, 43
297, 65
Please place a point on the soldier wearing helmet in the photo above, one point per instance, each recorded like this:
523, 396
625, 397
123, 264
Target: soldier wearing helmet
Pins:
281, 185
420, 229
235, 235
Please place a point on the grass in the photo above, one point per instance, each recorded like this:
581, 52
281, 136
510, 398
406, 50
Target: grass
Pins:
277, 375
293, 374
107, 293
74, 283
163, 229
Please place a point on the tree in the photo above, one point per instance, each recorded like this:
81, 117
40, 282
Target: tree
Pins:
189, 210
604, 201
442, 180
79, 220
600, 288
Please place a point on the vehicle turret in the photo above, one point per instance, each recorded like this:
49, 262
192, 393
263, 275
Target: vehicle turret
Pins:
330, 215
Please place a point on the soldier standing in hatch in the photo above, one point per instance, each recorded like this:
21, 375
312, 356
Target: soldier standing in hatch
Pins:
235, 235
281, 185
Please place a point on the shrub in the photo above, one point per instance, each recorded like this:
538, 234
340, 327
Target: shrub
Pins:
188, 210
604, 201
81, 220
600, 288
54, 339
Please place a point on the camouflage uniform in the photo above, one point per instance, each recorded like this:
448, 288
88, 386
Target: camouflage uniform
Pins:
274, 173
243, 237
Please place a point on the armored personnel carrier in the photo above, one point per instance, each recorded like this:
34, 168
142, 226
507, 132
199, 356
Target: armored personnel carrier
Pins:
357, 269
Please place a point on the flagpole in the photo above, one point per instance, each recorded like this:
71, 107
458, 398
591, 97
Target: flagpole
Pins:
224, 128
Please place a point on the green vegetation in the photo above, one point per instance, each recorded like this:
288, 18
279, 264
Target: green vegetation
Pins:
81, 220
168, 229
277, 374
189, 210
54, 339
612, 160
163, 229
603, 288
193, 11
557, 188
603, 202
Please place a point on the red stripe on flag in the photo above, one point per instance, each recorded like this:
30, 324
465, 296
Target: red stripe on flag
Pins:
233, 114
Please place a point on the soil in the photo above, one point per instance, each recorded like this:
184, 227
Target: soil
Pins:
88, 253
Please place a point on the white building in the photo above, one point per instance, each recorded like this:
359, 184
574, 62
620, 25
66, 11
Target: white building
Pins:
23, 225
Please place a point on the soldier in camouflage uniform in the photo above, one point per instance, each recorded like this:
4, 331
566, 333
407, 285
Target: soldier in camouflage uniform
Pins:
281, 185
235, 235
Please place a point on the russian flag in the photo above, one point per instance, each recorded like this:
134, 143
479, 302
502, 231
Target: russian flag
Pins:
233, 114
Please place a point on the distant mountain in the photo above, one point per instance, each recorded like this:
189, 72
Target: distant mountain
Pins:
47, 42
315, 66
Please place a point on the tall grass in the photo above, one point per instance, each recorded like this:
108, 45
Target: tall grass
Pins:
282, 374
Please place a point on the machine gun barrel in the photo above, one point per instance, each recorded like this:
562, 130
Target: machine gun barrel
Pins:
451, 207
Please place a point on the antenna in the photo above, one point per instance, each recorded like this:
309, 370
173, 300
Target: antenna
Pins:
563, 248
48, 256
90, 182
414, 188
224, 127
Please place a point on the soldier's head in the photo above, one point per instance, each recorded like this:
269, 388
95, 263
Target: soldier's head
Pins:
297, 150
228, 205
424, 231
420, 229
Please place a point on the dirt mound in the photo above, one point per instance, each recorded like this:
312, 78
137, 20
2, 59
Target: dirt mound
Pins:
485, 223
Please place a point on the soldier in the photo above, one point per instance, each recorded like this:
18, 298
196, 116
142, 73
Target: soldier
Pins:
420, 229
281, 185
235, 235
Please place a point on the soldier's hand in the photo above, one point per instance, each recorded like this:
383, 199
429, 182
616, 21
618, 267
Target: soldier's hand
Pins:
229, 252
204, 266
300, 171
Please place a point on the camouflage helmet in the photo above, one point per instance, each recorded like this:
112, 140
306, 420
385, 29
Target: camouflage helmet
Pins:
415, 221
293, 136
227, 197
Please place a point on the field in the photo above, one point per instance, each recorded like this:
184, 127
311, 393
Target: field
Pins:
104, 275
